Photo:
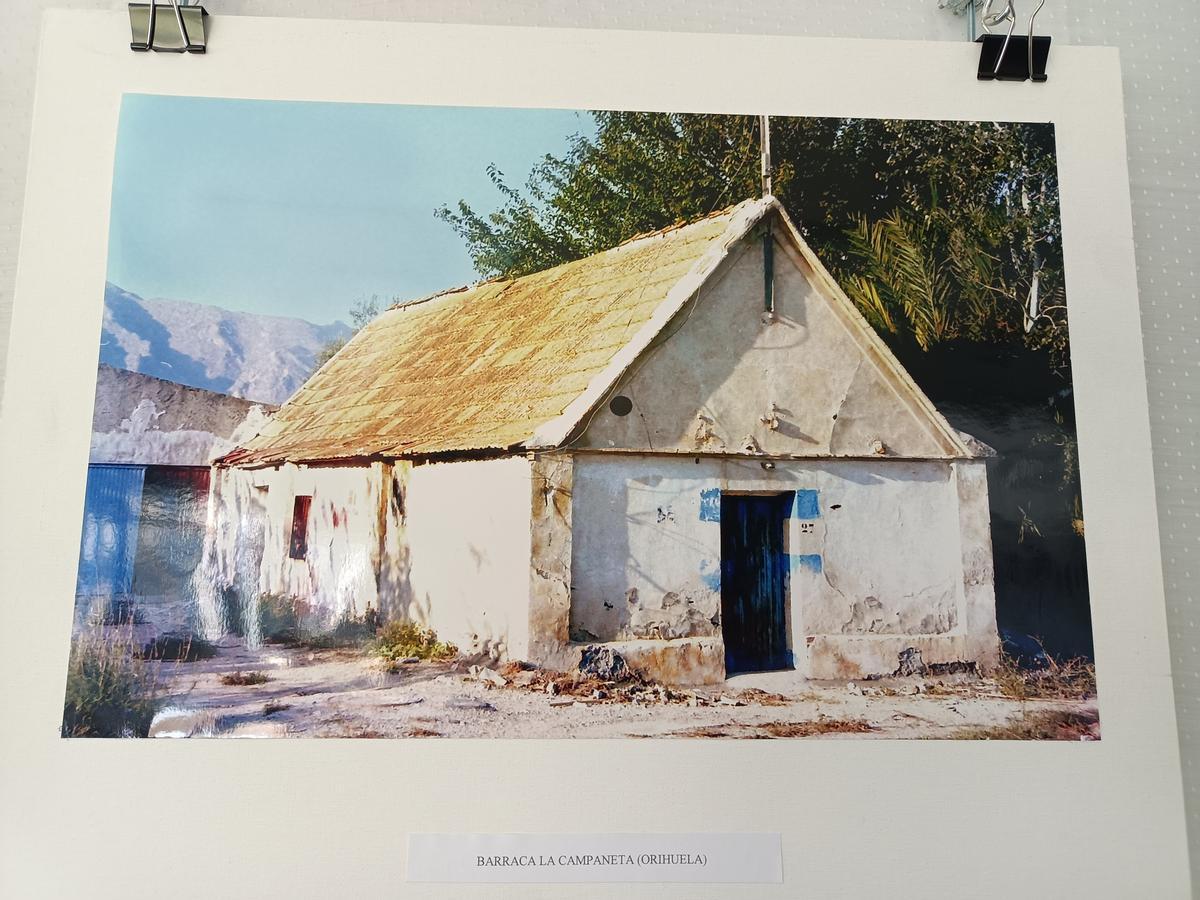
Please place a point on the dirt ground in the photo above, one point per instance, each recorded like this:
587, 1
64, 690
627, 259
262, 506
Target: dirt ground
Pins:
345, 693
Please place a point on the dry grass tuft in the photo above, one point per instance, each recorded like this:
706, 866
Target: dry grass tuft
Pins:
760, 697
815, 727
1045, 725
244, 679
768, 730
1074, 679
352, 732
111, 691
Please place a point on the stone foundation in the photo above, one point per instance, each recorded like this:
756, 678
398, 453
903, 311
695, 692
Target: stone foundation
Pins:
685, 661
840, 657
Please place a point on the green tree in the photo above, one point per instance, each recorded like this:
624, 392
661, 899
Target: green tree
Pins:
866, 193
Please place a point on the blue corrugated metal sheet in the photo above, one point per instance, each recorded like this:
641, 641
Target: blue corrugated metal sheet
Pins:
108, 545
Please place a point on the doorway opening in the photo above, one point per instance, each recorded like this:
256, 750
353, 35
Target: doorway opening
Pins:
754, 573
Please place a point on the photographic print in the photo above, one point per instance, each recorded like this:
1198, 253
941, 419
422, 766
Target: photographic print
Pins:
517, 423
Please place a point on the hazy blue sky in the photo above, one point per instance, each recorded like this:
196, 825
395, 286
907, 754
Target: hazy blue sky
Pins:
300, 209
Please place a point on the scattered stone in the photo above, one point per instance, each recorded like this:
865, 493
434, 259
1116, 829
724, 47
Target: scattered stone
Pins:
958, 667
854, 689
406, 701
603, 663
551, 688
486, 675
910, 663
567, 702
408, 660
524, 679
463, 701
730, 701
599, 694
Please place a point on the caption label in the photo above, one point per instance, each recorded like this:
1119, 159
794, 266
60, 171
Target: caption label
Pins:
577, 858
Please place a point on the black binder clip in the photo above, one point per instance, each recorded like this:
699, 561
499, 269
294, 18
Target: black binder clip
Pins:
179, 29
1006, 58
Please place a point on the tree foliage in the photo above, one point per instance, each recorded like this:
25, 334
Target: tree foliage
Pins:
867, 193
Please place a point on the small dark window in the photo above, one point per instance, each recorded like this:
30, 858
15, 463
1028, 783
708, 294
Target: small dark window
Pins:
621, 405
299, 545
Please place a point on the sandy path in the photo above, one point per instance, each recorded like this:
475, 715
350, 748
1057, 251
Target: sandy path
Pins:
332, 693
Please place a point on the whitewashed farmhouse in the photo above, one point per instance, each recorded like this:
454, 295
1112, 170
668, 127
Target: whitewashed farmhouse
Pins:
690, 447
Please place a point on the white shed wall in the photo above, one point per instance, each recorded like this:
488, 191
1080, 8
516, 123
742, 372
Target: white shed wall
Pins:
882, 557
468, 528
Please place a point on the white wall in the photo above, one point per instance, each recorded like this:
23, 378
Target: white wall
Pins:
448, 545
887, 536
468, 528
251, 515
831, 391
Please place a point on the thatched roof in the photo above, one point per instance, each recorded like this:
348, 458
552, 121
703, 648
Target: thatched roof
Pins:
516, 364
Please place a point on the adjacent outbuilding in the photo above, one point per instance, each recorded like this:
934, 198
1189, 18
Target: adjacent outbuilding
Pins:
146, 500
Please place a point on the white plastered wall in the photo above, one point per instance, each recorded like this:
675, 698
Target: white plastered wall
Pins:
896, 554
468, 531
446, 545
804, 382
251, 513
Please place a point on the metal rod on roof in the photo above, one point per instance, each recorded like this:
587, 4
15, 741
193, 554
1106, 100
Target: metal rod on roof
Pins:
768, 245
764, 127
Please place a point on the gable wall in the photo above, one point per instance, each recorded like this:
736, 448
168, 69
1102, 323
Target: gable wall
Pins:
720, 359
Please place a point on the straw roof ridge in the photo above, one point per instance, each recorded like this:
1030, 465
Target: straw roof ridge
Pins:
625, 244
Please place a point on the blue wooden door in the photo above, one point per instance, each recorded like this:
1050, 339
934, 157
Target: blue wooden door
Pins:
754, 582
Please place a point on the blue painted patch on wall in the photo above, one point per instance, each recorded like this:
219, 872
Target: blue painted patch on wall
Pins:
807, 562
710, 505
710, 575
807, 505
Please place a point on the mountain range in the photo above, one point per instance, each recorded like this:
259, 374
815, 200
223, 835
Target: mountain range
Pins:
256, 357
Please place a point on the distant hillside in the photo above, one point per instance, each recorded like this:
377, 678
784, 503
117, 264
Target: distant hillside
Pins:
263, 358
